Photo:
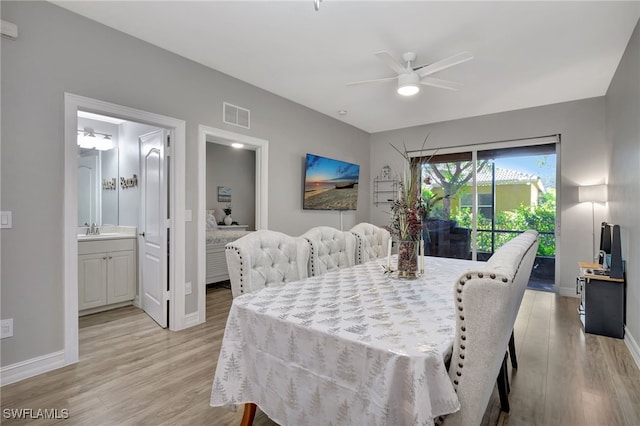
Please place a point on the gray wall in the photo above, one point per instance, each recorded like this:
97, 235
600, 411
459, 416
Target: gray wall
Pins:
235, 168
581, 125
623, 135
43, 64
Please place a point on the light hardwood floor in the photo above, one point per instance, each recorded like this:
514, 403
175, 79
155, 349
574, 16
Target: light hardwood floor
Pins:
131, 372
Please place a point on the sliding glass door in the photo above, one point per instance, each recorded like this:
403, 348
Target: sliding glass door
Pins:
478, 200
447, 179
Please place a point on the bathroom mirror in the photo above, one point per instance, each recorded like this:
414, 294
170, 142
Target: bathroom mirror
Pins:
98, 187
108, 169
98, 169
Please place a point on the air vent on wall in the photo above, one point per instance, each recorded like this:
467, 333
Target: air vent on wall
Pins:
233, 114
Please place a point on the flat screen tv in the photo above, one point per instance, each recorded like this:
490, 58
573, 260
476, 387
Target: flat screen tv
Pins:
330, 184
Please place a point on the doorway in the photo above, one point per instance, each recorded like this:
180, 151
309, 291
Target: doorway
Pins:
175, 205
206, 135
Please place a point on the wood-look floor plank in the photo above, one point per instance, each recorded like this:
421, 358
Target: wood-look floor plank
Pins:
532, 349
563, 400
131, 372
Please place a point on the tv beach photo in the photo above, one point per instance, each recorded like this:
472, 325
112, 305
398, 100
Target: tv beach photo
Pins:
330, 184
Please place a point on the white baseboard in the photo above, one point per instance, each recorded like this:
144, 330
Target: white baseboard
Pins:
31, 367
632, 344
567, 292
192, 319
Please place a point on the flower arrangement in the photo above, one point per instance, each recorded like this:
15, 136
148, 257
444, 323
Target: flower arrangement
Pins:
227, 210
408, 209
406, 218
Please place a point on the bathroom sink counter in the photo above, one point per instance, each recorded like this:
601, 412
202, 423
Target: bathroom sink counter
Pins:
105, 236
108, 232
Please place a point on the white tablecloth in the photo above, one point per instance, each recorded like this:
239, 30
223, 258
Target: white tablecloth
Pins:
351, 347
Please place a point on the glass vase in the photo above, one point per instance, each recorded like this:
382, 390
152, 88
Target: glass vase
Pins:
408, 259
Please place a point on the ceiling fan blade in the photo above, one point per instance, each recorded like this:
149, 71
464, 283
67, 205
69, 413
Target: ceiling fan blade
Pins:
391, 62
377, 80
444, 63
443, 84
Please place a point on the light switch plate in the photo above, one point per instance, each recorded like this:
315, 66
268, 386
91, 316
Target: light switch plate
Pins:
6, 220
6, 328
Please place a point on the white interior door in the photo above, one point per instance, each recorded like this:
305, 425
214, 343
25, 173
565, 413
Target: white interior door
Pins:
154, 221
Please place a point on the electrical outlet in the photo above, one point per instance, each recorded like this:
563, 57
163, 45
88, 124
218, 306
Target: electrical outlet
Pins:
7, 328
187, 288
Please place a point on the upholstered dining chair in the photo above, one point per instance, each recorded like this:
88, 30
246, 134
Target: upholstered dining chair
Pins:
371, 242
331, 249
265, 258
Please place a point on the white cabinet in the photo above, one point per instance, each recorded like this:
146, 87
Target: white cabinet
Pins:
233, 227
107, 272
216, 263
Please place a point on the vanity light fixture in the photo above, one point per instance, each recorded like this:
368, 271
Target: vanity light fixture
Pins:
87, 139
237, 145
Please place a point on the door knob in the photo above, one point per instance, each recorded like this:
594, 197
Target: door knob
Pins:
141, 234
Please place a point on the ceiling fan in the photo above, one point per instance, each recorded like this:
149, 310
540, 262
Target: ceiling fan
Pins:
410, 77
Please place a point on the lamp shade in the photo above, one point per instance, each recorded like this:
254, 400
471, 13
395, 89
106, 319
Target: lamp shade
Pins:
592, 193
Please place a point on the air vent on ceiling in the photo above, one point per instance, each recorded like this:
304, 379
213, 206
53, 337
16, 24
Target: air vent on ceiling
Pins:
233, 114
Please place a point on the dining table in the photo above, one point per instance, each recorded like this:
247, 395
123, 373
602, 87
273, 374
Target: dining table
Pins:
356, 346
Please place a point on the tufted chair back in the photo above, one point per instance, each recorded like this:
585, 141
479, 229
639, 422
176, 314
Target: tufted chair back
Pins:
371, 242
487, 301
331, 249
265, 258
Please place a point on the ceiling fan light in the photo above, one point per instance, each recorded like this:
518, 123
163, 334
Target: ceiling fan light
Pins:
408, 84
408, 89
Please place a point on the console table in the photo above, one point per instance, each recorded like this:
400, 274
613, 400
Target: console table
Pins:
602, 301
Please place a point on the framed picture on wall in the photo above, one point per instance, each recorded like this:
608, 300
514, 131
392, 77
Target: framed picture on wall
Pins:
224, 194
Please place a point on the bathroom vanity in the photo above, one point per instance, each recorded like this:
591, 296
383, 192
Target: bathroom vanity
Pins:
107, 271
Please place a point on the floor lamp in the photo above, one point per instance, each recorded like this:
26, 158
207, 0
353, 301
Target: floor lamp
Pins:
592, 194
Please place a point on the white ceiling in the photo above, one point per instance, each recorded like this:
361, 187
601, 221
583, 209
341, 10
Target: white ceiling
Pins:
525, 53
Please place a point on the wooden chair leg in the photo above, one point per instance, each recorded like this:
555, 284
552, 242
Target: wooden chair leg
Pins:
503, 385
512, 352
249, 414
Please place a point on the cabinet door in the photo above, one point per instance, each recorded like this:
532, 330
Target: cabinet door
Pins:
92, 280
216, 265
121, 276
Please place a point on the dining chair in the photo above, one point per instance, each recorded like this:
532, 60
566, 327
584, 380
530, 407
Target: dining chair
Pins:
487, 302
371, 241
331, 249
265, 258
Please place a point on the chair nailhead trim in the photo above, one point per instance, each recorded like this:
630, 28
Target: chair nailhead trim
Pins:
463, 328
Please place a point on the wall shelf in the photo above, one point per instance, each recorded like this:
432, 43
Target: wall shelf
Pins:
385, 191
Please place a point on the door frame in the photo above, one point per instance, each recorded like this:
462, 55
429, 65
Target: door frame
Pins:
73, 103
224, 137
